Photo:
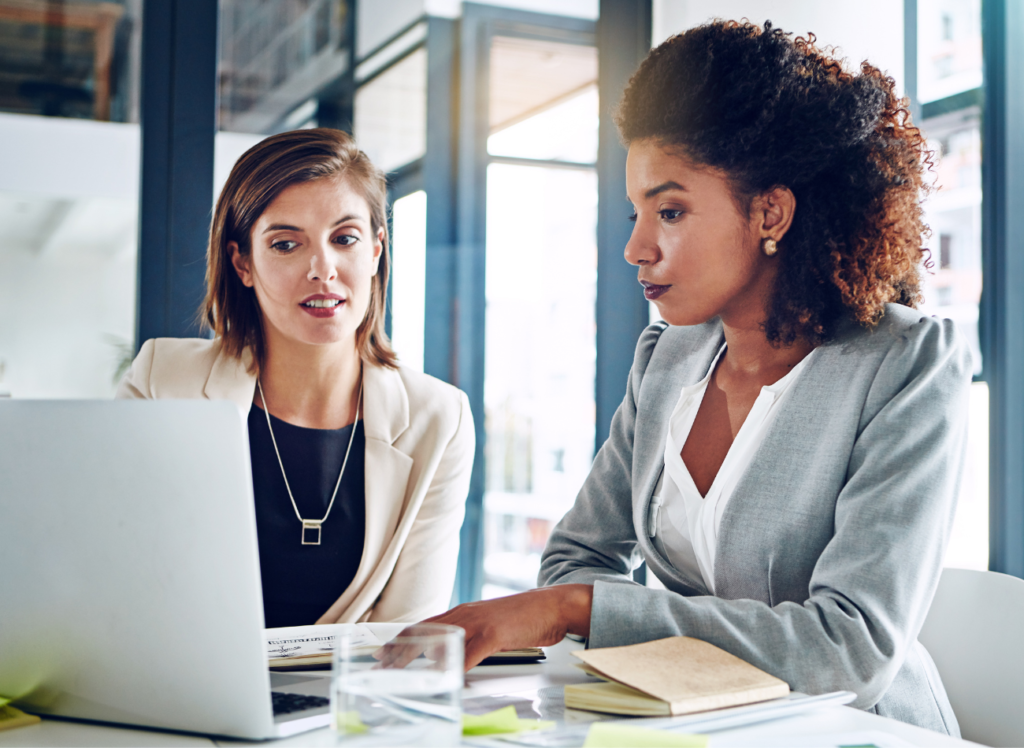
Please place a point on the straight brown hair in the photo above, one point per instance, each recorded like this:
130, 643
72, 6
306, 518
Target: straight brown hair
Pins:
260, 175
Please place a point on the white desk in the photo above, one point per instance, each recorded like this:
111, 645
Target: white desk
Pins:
500, 683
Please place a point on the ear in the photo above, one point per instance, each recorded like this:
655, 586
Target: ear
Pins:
776, 210
242, 264
378, 249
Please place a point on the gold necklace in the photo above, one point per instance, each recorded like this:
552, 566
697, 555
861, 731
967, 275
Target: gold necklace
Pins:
311, 524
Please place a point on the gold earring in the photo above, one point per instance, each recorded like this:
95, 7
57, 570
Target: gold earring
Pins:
770, 247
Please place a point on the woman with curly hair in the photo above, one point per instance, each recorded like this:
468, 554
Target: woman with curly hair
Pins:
787, 455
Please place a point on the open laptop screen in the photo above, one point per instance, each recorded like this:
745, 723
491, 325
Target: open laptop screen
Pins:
130, 588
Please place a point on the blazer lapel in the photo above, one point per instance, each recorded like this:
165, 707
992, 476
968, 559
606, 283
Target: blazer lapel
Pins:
681, 358
230, 379
780, 467
385, 404
385, 418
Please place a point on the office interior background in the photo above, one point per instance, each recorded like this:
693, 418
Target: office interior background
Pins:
120, 120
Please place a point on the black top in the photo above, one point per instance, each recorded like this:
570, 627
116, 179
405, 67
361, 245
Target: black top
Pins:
300, 582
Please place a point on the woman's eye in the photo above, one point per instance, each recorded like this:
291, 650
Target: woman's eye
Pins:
346, 240
286, 245
632, 216
670, 214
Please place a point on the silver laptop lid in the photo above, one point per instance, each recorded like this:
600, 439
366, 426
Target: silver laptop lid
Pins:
130, 587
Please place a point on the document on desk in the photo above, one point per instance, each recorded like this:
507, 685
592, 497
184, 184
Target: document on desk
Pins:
312, 647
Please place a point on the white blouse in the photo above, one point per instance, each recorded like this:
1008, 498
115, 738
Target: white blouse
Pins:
682, 523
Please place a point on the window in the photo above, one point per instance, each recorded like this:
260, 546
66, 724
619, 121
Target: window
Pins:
275, 57
948, 48
539, 386
409, 256
69, 98
391, 113
949, 80
541, 290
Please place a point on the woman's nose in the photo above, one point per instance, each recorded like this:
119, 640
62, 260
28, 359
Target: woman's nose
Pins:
642, 247
321, 266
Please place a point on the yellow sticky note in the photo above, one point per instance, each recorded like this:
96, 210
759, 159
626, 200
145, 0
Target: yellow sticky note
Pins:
607, 735
500, 721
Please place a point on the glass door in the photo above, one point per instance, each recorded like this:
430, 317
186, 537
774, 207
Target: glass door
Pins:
541, 282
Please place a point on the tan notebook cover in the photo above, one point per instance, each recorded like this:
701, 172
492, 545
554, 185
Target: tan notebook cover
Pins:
685, 674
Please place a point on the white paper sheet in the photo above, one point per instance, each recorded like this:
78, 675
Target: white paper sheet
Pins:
308, 641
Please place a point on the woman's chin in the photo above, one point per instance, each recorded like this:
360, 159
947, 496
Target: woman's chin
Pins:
319, 335
331, 338
681, 318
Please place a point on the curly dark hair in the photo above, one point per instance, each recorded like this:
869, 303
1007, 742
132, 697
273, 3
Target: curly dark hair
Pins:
769, 111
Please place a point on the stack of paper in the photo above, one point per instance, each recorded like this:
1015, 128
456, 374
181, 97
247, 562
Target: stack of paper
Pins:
312, 647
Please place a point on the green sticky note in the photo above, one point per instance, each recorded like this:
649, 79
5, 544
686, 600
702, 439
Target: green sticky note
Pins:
500, 721
349, 723
607, 735
492, 723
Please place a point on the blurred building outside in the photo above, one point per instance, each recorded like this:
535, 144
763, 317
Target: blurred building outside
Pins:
949, 68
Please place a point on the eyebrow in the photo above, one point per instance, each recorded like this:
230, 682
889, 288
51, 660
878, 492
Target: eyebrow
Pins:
663, 187
287, 227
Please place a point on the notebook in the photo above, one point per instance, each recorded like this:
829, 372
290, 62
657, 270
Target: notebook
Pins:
669, 677
11, 718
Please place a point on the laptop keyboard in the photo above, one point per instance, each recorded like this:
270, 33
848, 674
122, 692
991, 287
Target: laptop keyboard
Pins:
286, 703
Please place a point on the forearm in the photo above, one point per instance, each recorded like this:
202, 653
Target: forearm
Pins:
825, 644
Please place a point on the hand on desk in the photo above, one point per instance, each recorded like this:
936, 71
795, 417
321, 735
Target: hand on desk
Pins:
538, 618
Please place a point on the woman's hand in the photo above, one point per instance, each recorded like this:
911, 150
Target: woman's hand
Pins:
538, 618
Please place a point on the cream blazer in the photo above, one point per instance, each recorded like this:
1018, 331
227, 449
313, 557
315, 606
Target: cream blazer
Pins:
419, 452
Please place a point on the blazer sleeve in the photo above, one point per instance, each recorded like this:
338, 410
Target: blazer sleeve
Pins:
871, 587
424, 575
596, 540
135, 384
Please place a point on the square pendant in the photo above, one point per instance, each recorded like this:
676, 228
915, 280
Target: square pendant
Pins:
310, 532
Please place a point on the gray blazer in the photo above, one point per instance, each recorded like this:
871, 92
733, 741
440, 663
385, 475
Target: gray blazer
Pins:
830, 548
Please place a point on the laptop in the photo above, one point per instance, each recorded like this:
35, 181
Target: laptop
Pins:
129, 571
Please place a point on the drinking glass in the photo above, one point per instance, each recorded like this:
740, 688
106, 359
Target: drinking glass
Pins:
407, 692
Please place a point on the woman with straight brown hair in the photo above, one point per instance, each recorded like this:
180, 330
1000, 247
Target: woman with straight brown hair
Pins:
360, 466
